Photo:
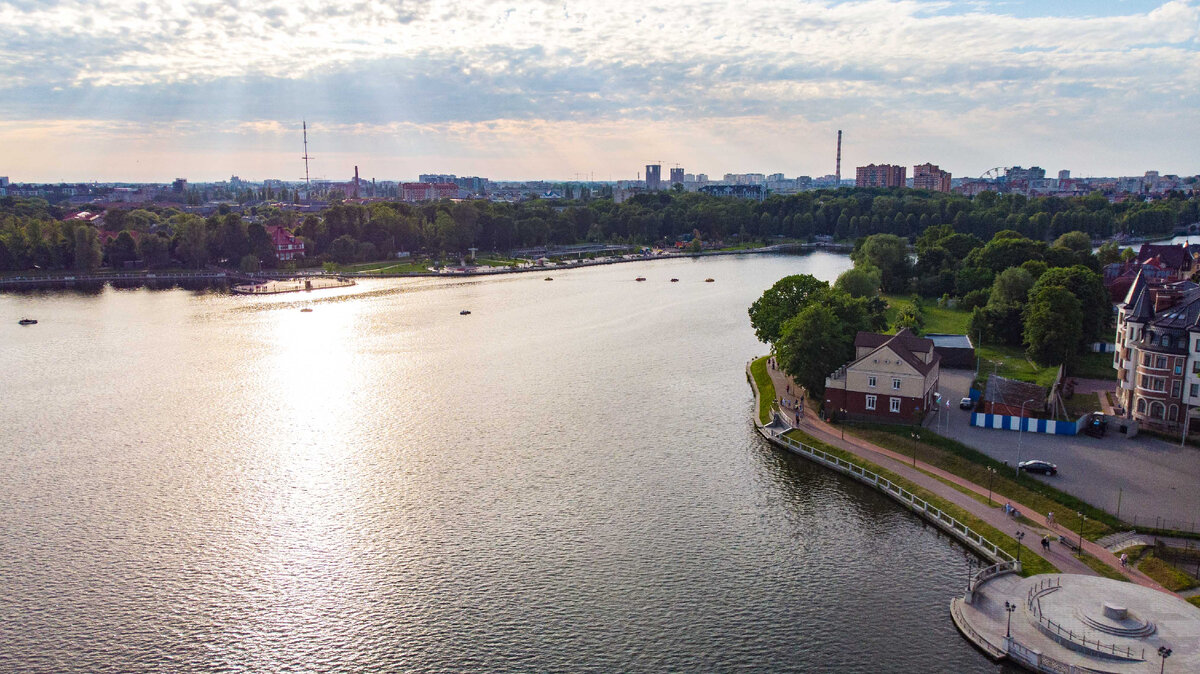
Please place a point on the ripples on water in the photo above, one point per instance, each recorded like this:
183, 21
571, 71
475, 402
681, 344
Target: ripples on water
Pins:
565, 480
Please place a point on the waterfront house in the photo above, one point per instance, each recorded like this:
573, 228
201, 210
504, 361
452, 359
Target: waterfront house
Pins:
892, 379
287, 246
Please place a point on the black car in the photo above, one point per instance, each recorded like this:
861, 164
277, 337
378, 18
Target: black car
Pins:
1043, 467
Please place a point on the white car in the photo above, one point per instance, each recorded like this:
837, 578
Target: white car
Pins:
965, 403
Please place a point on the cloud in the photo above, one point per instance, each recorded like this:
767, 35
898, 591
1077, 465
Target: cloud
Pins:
260, 67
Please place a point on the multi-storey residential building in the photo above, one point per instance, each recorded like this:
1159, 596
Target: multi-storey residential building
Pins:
892, 379
428, 191
881, 175
929, 177
287, 246
654, 176
677, 176
1158, 352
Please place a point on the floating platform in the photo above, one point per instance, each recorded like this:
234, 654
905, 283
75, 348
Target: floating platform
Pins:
293, 285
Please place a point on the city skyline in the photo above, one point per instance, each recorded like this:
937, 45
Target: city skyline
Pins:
117, 92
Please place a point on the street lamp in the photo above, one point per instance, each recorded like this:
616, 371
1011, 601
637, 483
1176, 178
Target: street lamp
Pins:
1020, 537
843, 423
1082, 519
1021, 432
991, 476
916, 438
1010, 607
1164, 653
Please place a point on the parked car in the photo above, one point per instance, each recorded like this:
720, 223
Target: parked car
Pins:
966, 403
1038, 466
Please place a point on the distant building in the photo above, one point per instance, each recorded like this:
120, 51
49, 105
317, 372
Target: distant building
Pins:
428, 191
891, 379
677, 177
3, 181
179, 186
1064, 174
930, 177
740, 191
881, 175
653, 177
701, 177
287, 246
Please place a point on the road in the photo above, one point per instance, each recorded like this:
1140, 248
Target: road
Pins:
1152, 478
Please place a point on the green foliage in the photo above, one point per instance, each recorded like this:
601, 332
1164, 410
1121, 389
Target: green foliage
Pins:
88, 254
1075, 241
861, 281
780, 302
766, 389
154, 250
820, 338
889, 254
1053, 326
1166, 575
1109, 253
1010, 288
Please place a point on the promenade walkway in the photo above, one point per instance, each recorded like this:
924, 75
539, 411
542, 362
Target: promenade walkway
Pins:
922, 475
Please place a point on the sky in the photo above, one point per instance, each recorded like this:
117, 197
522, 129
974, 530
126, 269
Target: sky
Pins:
109, 90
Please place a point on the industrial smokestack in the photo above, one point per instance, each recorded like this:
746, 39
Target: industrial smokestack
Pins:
355, 182
837, 171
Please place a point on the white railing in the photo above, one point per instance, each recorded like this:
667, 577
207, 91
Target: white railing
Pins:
1067, 636
1004, 562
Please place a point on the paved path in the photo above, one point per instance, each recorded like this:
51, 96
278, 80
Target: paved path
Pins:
922, 475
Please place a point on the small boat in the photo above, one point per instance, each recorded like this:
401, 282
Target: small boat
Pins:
674, 280
27, 321
640, 278
549, 278
708, 280
464, 312
306, 310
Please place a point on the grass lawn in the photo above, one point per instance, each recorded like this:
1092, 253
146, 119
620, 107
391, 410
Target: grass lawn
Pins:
766, 389
1095, 366
1194, 601
1165, 574
956, 458
1101, 568
1031, 565
940, 320
1081, 404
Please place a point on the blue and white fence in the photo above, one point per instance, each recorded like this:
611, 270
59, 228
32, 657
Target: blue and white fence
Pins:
1031, 425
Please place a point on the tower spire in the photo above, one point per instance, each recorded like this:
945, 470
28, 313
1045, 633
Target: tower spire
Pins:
304, 125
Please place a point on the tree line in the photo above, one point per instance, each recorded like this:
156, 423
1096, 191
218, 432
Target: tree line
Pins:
33, 235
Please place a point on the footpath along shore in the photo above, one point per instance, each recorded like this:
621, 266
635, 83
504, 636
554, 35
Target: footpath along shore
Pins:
924, 474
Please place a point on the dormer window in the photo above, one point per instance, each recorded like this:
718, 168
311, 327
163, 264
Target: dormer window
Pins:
1166, 340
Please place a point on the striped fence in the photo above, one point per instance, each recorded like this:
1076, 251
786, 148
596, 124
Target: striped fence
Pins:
1010, 423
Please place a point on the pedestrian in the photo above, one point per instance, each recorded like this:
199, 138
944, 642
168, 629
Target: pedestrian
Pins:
1008, 508
1046, 543
1124, 560
1050, 518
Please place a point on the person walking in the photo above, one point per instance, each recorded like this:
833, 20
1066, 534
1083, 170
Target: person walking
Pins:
1046, 543
1050, 518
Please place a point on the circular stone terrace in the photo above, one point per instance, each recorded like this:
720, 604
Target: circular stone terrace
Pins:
1060, 621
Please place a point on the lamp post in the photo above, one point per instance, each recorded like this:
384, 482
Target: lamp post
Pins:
916, 438
1082, 519
1020, 537
1009, 607
1164, 653
991, 476
1021, 432
843, 424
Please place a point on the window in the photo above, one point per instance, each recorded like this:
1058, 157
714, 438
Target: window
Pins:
1141, 405
1194, 390
871, 380
870, 402
1173, 414
1197, 345
1165, 341
1145, 382
1196, 365
894, 403
1158, 383
895, 384
1160, 362
1179, 367
1158, 410
1176, 388
1146, 359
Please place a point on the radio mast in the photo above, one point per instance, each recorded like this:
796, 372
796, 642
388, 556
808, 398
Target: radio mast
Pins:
305, 157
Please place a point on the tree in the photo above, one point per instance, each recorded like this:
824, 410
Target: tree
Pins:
1076, 241
191, 240
1109, 253
1011, 288
1088, 288
249, 263
780, 302
154, 250
87, 249
122, 249
812, 345
889, 254
861, 281
1053, 326
344, 249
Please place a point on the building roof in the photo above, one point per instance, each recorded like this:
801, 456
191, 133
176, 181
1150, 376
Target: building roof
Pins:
1013, 393
1173, 256
950, 341
904, 343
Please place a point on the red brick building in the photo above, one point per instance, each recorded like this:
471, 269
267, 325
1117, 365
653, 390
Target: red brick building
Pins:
930, 177
892, 379
287, 246
428, 191
882, 175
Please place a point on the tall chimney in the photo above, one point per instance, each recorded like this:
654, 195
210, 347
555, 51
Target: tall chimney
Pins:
837, 172
355, 182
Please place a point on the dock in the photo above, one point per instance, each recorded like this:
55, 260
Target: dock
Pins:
275, 287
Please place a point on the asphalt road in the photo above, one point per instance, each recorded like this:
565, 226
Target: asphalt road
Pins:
1152, 478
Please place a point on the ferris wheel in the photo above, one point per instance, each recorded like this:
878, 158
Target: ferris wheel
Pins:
995, 173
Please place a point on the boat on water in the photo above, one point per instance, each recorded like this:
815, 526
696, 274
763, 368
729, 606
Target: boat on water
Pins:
708, 280
306, 310
28, 321
464, 312
548, 278
674, 280
640, 278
